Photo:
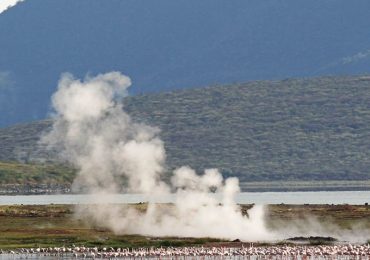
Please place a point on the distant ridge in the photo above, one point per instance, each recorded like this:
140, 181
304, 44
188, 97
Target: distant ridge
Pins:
295, 129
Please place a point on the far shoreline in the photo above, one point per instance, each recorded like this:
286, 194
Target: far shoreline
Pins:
245, 186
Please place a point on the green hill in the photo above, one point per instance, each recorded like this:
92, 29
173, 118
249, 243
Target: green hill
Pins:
33, 174
290, 130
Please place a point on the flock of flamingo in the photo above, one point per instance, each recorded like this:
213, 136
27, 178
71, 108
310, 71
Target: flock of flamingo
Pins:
347, 251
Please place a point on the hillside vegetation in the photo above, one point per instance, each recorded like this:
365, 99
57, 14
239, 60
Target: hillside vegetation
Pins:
295, 129
32, 174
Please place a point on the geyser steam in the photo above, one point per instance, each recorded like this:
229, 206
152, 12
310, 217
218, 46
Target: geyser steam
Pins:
114, 154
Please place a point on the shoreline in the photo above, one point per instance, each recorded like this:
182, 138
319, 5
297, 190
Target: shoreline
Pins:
274, 186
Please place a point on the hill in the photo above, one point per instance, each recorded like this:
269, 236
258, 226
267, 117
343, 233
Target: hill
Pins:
165, 45
35, 174
290, 130
19, 178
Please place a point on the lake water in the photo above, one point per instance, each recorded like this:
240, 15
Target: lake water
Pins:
317, 197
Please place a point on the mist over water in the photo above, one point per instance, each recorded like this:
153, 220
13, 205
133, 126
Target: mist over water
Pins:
113, 154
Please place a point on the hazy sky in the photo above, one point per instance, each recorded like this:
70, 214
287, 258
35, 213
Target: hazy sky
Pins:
5, 4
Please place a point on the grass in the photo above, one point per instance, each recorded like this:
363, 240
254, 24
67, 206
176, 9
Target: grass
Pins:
343, 216
45, 226
54, 225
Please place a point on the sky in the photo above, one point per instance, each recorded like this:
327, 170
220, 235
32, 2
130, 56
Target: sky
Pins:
165, 45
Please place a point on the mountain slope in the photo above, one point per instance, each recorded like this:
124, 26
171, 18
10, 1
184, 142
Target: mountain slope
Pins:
307, 129
165, 44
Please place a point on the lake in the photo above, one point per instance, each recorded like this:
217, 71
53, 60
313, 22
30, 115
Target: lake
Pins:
317, 197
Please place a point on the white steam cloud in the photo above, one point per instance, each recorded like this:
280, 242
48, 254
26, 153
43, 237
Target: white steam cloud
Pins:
114, 154
5, 80
357, 57
6, 4
7, 93
352, 59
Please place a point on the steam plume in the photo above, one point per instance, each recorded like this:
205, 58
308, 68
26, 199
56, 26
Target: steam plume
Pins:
114, 154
